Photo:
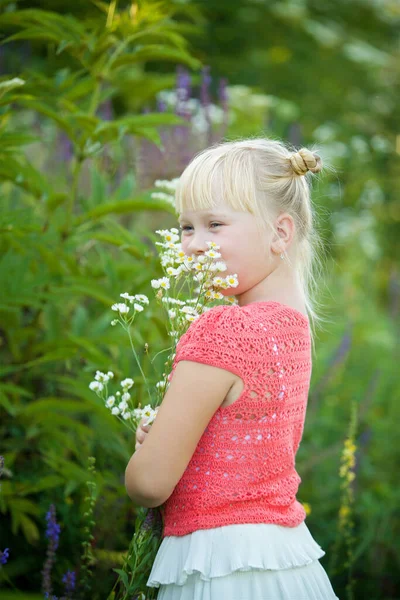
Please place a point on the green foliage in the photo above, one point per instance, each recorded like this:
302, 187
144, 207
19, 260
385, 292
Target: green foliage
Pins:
75, 232
64, 261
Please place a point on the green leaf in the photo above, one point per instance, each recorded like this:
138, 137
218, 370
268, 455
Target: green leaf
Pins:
15, 140
155, 53
23, 174
10, 84
47, 405
124, 577
141, 202
153, 119
6, 404
55, 356
29, 529
46, 110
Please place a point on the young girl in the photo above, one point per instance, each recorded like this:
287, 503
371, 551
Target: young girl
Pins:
220, 455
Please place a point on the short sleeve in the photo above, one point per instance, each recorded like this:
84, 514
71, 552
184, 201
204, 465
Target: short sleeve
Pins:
215, 339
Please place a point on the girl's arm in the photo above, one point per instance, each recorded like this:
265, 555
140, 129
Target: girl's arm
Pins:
196, 391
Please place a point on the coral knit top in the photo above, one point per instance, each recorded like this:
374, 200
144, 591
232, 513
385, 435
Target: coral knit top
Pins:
243, 468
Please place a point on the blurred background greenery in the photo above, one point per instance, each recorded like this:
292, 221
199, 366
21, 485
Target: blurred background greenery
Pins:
98, 100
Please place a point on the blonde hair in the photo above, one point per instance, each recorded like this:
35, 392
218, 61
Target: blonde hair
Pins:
266, 178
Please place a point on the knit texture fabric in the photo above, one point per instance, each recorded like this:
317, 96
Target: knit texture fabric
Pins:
243, 468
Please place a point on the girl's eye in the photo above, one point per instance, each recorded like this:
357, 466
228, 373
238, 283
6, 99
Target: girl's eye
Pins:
187, 227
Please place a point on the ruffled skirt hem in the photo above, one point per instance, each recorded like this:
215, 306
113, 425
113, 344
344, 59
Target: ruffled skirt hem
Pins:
257, 561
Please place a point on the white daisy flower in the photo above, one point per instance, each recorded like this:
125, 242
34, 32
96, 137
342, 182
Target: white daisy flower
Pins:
126, 296
213, 254
123, 405
217, 281
164, 283
138, 307
160, 385
232, 280
141, 298
115, 410
110, 374
212, 245
125, 397
102, 377
212, 268
122, 308
187, 309
155, 284
110, 401
126, 415
96, 386
221, 266
172, 314
127, 383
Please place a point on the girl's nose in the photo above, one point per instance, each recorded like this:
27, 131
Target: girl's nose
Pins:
197, 244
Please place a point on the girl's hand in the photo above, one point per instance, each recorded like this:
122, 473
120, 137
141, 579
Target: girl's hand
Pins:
141, 432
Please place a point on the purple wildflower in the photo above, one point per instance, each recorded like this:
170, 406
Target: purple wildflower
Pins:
223, 99
183, 91
53, 528
64, 147
205, 87
205, 99
69, 581
4, 556
161, 106
153, 520
106, 110
53, 535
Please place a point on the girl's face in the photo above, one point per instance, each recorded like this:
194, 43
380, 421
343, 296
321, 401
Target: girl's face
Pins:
242, 247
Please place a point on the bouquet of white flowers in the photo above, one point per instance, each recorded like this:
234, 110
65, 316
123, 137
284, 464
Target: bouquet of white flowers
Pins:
191, 285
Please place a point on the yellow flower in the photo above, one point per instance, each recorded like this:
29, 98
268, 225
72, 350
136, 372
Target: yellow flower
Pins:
307, 508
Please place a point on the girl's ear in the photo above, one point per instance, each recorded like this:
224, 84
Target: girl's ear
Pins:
285, 230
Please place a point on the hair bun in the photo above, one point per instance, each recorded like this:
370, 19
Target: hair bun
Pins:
304, 160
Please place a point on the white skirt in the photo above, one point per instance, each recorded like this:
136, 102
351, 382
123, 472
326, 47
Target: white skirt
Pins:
241, 562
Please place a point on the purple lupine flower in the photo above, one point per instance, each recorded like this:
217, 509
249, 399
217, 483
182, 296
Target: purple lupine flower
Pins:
65, 148
149, 520
223, 99
205, 100
181, 133
183, 92
53, 528
161, 106
106, 110
205, 86
53, 535
4, 556
69, 581
153, 520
